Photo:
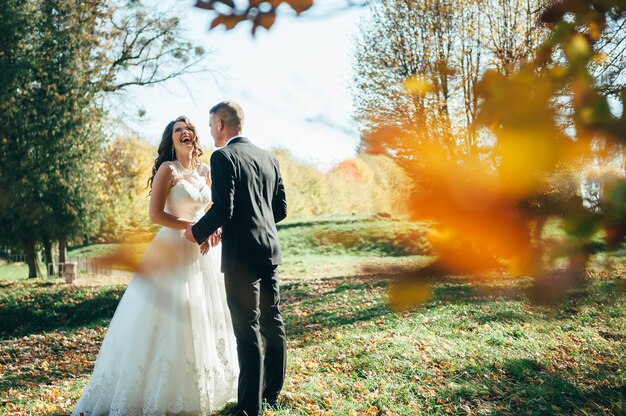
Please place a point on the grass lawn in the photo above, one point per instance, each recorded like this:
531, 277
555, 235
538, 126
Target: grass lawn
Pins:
474, 347
471, 349
12, 271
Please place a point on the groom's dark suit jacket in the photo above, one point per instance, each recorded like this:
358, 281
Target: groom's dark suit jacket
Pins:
248, 200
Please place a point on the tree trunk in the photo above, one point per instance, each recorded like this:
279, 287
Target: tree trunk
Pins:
31, 259
62, 253
47, 246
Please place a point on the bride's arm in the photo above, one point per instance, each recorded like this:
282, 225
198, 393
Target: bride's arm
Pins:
160, 188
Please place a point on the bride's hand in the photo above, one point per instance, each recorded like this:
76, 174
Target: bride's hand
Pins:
204, 247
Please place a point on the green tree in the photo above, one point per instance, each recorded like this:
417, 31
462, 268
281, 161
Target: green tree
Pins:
69, 127
19, 177
60, 59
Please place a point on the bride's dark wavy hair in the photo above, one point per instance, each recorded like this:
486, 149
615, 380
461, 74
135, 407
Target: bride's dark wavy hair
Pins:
165, 147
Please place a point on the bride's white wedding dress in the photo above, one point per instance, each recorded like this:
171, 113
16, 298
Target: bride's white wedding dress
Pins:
169, 348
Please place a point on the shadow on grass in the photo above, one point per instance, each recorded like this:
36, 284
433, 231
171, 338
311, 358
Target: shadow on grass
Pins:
327, 321
47, 307
445, 289
457, 291
528, 387
313, 314
313, 311
325, 221
502, 316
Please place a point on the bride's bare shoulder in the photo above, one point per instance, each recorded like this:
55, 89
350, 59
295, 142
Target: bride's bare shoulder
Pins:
166, 172
168, 164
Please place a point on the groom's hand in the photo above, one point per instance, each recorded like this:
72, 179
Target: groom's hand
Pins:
189, 234
216, 237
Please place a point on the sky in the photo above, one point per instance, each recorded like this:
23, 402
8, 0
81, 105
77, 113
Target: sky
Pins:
292, 83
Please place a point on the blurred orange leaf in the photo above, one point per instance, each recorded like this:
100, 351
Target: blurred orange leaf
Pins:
229, 21
272, 3
300, 5
265, 20
206, 5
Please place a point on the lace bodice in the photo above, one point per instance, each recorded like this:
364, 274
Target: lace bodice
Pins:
189, 194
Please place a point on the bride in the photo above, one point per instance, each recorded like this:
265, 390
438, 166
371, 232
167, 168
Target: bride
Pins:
170, 348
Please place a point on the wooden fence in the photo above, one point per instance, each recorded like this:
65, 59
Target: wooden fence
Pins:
83, 264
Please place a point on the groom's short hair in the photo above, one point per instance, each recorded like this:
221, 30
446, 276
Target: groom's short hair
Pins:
230, 113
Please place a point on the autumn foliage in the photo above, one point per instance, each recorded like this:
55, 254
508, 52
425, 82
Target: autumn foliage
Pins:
546, 114
487, 208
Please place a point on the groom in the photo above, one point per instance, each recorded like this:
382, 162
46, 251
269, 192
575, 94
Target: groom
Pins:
248, 200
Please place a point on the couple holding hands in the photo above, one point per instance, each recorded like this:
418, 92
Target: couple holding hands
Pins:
206, 329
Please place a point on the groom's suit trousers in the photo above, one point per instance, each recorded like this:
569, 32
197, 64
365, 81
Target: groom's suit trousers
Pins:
254, 301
